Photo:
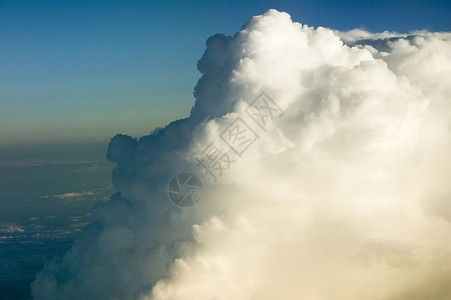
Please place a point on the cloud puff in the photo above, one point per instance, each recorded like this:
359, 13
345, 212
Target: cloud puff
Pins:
338, 191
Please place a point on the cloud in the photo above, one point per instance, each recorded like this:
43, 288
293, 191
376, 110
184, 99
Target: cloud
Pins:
69, 196
11, 228
341, 193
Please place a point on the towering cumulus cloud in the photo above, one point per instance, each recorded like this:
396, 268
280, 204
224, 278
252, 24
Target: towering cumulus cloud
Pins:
324, 161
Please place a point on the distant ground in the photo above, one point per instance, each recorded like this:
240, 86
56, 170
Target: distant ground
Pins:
46, 194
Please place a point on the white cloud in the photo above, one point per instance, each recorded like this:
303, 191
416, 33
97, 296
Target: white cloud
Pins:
345, 196
11, 228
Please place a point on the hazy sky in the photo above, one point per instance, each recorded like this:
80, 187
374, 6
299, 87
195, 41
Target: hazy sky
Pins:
85, 70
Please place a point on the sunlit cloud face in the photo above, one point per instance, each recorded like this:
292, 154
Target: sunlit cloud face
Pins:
328, 179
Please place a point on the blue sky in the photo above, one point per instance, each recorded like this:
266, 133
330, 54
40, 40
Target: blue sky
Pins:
85, 70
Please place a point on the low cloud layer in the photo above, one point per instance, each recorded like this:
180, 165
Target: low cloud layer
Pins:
339, 190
